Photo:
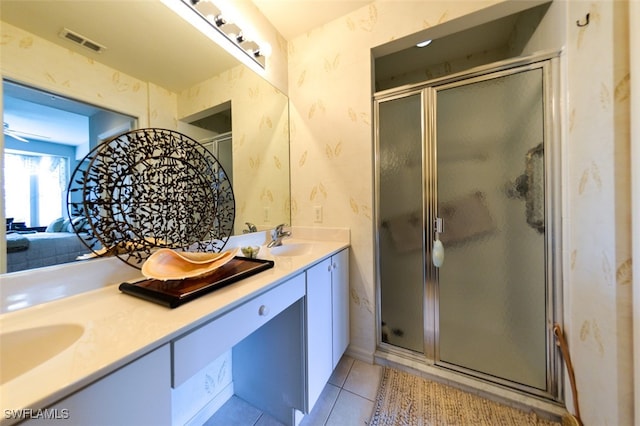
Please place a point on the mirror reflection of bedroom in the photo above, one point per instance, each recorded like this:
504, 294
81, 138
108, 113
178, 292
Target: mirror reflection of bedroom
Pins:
45, 135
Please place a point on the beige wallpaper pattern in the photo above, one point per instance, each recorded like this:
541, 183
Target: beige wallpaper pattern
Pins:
598, 195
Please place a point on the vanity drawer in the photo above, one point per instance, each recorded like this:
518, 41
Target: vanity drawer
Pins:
202, 346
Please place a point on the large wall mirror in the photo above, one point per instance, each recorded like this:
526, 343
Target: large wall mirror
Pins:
154, 70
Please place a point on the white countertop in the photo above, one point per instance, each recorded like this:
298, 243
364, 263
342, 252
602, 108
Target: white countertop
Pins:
119, 328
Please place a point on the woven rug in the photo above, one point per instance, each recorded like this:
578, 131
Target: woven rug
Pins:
407, 400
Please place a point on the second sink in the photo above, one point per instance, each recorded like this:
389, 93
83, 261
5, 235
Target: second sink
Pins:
24, 350
292, 249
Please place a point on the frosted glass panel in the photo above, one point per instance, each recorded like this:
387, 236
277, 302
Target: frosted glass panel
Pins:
400, 213
491, 195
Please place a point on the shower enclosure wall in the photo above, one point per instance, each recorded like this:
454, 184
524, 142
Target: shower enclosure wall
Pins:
467, 163
221, 147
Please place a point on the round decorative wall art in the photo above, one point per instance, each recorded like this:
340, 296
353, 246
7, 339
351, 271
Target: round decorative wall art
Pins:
148, 189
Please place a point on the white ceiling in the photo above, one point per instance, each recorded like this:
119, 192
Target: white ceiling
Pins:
295, 17
137, 42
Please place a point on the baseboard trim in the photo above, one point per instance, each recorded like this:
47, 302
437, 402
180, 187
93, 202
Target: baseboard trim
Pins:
360, 354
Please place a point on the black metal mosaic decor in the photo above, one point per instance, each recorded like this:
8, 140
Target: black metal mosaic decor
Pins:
151, 188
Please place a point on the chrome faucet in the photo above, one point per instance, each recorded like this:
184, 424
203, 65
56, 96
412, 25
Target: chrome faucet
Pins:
277, 234
250, 228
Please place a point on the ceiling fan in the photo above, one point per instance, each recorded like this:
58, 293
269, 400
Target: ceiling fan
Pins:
18, 135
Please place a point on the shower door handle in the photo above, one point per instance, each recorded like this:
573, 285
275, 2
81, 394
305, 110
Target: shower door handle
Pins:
437, 251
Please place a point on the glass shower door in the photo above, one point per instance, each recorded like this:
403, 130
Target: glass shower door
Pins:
491, 288
400, 230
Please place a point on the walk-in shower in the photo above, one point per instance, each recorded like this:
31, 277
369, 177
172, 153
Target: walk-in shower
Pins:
469, 161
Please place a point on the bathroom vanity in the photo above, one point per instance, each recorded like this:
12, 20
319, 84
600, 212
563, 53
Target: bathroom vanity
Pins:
104, 357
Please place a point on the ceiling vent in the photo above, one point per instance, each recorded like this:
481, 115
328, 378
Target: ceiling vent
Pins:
81, 40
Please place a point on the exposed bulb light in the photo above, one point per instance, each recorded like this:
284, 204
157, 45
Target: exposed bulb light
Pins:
249, 46
265, 50
232, 31
206, 8
219, 20
227, 26
424, 43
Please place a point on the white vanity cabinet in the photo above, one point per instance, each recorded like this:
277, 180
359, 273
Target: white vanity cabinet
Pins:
137, 394
319, 330
340, 303
283, 333
327, 320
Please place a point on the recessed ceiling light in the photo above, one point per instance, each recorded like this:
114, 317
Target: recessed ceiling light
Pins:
424, 43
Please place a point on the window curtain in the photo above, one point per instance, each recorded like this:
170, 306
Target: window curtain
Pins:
35, 187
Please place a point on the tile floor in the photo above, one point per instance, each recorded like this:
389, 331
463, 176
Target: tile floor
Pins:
347, 400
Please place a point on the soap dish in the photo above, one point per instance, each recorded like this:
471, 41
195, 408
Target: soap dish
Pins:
250, 251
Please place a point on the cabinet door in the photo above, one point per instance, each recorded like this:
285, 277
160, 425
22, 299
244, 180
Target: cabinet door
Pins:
137, 394
340, 303
319, 330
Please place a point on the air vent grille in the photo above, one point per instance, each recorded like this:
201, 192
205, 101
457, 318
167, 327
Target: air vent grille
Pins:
81, 40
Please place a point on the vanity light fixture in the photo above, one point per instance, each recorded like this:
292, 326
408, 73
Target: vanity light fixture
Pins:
424, 43
218, 20
213, 15
232, 31
250, 46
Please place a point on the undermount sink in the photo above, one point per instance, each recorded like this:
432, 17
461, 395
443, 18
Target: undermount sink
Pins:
292, 249
23, 350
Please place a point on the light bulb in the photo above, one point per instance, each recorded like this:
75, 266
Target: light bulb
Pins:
265, 49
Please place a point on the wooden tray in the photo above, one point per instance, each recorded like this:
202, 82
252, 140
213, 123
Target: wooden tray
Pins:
173, 293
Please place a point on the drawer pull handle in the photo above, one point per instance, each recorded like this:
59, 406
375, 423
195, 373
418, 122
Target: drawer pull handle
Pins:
263, 311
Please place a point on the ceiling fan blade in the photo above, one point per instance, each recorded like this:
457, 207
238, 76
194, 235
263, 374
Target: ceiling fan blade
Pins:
27, 134
15, 136
20, 135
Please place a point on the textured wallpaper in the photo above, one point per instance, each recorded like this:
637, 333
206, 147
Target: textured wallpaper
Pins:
598, 280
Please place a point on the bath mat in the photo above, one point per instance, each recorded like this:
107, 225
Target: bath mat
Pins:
407, 400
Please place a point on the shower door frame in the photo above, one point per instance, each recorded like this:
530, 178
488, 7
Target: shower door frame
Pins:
549, 62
